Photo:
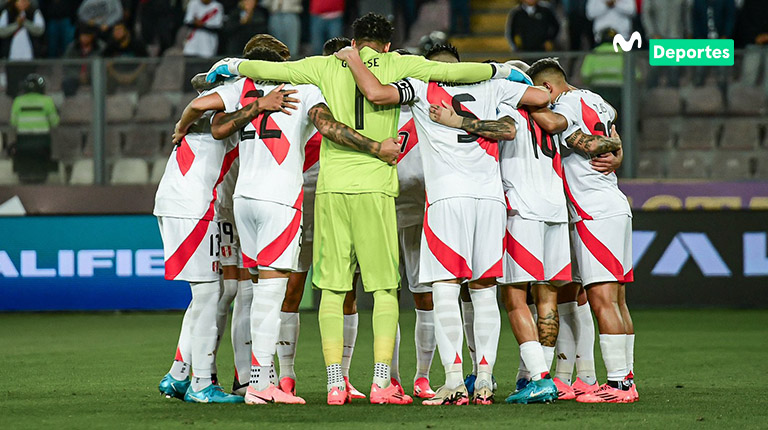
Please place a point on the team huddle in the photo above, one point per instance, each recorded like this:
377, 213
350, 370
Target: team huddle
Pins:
457, 179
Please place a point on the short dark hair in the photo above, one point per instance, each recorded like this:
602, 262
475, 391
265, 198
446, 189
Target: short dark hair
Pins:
335, 44
403, 51
546, 65
372, 27
266, 41
264, 54
443, 48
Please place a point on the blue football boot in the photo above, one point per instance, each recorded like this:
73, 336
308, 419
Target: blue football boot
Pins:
211, 394
541, 391
171, 387
469, 382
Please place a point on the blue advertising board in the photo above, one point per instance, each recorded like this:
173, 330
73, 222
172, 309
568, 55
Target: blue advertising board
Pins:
85, 263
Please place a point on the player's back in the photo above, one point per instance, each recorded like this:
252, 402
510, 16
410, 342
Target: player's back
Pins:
458, 164
410, 203
272, 144
531, 170
591, 194
192, 172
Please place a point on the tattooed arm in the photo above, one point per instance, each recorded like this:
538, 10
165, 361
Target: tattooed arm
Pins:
501, 129
594, 145
326, 124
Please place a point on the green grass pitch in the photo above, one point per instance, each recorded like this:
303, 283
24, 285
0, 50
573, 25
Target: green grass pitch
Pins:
695, 369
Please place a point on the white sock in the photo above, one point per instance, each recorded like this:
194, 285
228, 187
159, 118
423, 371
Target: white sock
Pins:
487, 327
533, 355
272, 373
335, 377
394, 368
286, 346
522, 370
205, 297
448, 330
350, 338
549, 355
585, 345
614, 350
631, 352
566, 341
268, 296
468, 316
381, 375
241, 330
227, 292
181, 367
424, 335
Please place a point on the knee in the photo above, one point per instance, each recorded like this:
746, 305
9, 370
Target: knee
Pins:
423, 301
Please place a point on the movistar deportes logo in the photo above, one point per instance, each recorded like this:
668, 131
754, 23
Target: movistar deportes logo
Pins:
626, 45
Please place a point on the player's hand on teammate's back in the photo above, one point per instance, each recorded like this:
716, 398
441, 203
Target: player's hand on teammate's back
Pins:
445, 115
390, 150
278, 100
347, 53
226, 67
178, 134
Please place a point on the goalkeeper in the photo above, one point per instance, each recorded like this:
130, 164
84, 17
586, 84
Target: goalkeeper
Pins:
355, 218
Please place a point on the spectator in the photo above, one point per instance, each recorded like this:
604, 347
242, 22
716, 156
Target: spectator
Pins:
101, 13
532, 27
665, 19
712, 19
33, 114
159, 22
603, 70
327, 22
85, 46
752, 33
460, 17
204, 18
60, 18
242, 23
21, 26
579, 26
284, 22
132, 74
615, 14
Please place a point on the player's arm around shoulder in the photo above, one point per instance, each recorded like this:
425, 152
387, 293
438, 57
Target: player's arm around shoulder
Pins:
503, 128
326, 124
370, 86
594, 145
224, 125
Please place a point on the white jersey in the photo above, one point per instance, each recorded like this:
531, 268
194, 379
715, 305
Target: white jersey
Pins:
193, 172
203, 42
410, 203
311, 169
591, 194
225, 190
272, 144
531, 170
457, 164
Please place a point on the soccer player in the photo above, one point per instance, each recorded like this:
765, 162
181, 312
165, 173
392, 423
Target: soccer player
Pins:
355, 217
602, 219
184, 206
268, 199
463, 230
289, 314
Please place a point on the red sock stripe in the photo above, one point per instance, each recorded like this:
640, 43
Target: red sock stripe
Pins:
178, 356
524, 258
600, 251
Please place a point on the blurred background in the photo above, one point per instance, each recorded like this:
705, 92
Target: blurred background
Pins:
90, 91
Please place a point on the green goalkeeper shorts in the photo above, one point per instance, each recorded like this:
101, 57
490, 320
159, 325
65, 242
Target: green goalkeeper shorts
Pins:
353, 229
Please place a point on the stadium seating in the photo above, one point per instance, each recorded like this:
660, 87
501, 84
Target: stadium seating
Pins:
112, 142
82, 172
7, 176
741, 133
66, 143
130, 171
142, 141
120, 107
158, 168
154, 108
732, 165
657, 133
699, 133
661, 102
5, 109
704, 101
650, 164
77, 109
689, 165
744, 100
169, 75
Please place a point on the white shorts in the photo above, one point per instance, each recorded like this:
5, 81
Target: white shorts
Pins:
603, 249
410, 243
463, 238
536, 251
230, 244
270, 234
190, 249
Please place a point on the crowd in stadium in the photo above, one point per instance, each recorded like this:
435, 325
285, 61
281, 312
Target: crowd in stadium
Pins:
209, 28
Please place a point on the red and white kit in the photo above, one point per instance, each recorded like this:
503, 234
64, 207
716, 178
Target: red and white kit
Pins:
184, 203
230, 241
269, 192
203, 42
409, 205
537, 244
465, 215
311, 169
602, 237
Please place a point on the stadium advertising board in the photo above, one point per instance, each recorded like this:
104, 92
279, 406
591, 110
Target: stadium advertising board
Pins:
85, 263
687, 258
691, 195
